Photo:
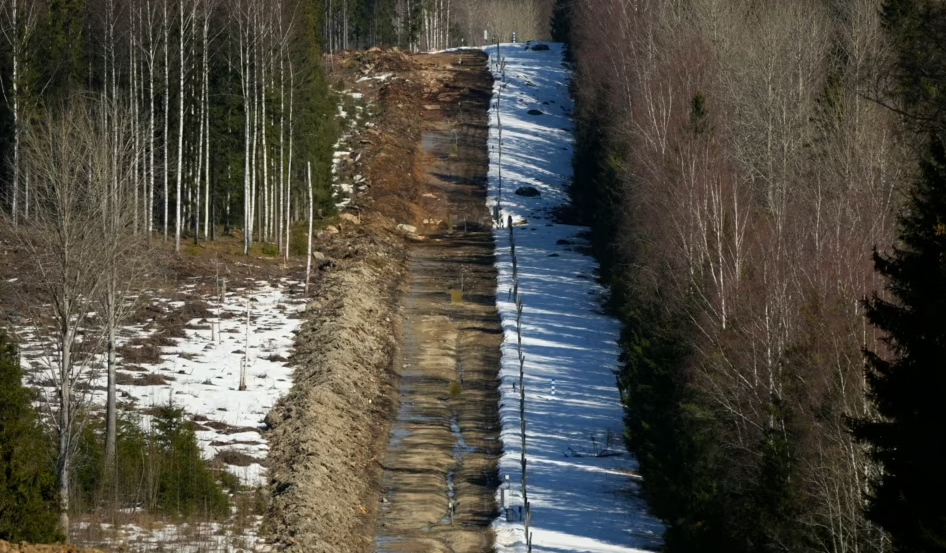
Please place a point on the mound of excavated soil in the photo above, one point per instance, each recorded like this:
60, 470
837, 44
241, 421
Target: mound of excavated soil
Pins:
6, 547
329, 432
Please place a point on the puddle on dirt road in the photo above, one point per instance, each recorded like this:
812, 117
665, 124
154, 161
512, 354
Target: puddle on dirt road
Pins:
433, 142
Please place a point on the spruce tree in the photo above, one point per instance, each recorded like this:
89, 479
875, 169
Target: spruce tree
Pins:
907, 381
28, 508
561, 23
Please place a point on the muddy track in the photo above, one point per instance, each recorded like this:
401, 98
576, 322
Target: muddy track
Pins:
380, 432
444, 443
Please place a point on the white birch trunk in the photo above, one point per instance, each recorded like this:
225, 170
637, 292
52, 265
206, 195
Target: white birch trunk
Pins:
152, 60
206, 123
180, 140
245, 81
264, 223
289, 164
282, 219
167, 100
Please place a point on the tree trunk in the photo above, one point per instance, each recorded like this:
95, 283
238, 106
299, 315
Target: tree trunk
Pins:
206, 123
180, 141
152, 55
65, 424
167, 98
111, 413
308, 257
281, 220
249, 118
16, 111
289, 164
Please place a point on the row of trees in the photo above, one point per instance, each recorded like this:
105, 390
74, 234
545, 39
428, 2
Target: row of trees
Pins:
218, 93
430, 24
129, 121
221, 100
749, 156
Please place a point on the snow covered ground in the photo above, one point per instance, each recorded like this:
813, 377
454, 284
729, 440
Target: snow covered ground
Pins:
201, 372
352, 124
579, 501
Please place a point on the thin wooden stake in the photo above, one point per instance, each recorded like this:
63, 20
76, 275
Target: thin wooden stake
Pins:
308, 257
246, 350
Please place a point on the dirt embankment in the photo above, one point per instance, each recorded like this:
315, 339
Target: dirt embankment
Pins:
324, 471
7, 547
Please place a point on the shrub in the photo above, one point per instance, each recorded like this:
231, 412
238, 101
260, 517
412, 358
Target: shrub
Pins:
272, 250
185, 482
28, 494
160, 470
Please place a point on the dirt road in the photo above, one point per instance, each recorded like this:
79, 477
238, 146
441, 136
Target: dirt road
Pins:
439, 471
394, 412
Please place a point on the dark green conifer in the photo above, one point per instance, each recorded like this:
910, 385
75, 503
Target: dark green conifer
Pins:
919, 76
28, 494
908, 381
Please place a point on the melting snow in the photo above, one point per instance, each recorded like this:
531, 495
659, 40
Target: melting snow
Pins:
579, 501
203, 369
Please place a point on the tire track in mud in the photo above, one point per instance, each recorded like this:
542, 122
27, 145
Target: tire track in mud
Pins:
444, 442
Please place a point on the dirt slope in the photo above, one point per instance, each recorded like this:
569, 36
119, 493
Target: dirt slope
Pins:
324, 469
7, 547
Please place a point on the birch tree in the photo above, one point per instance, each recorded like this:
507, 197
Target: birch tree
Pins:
125, 254
18, 21
63, 242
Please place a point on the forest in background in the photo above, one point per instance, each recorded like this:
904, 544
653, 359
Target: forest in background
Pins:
214, 108
741, 161
219, 105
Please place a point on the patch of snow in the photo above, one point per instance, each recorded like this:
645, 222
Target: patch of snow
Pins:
203, 369
381, 77
579, 501
205, 537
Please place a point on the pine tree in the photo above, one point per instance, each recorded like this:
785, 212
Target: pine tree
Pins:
561, 23
62, 50
907, 384
28, 496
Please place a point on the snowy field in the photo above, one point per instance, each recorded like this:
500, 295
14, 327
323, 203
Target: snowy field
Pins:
581, 483
201, 372
253, 325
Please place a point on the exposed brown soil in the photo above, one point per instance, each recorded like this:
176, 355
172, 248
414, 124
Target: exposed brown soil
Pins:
6, 547
323, 447
384, 340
